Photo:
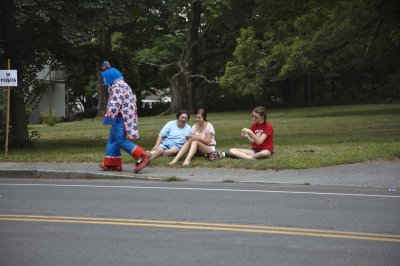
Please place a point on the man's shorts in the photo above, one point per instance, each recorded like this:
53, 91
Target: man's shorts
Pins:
167, 144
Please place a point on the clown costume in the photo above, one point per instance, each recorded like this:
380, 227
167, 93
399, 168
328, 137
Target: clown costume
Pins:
121, 114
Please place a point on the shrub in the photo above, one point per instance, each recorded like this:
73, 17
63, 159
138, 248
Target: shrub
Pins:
49, 119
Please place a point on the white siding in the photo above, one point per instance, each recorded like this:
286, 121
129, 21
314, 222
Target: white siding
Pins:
55, 106
53, 101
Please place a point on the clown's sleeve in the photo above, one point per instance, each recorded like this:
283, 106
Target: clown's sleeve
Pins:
113, 106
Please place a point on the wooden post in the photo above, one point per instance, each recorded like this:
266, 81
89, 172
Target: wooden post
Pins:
8, 113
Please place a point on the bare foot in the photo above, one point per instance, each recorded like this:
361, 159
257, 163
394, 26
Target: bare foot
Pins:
172, 162
185, 163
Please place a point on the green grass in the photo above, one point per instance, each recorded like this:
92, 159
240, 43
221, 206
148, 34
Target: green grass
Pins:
304, 138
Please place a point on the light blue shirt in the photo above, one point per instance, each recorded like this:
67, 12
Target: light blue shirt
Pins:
173, 135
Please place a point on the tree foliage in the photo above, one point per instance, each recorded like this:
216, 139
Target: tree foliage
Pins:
308, 52
329, 47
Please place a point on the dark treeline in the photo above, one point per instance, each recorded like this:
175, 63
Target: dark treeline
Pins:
219, 54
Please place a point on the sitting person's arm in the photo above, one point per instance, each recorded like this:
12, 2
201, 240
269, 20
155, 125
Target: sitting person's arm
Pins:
206, 140
158, 142
163, 134
252, 137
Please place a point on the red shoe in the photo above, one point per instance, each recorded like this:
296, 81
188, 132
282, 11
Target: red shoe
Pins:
143, 163
110, 168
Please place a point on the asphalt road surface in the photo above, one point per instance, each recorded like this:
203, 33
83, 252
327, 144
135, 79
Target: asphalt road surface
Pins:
103, 222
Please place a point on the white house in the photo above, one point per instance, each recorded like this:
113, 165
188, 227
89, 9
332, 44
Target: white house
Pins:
49, 97
160, 97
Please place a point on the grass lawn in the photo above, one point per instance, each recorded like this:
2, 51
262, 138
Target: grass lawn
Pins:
304, 138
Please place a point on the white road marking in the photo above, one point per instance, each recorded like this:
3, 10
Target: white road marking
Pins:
207, 189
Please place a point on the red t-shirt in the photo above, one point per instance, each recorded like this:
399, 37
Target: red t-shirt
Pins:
267, 129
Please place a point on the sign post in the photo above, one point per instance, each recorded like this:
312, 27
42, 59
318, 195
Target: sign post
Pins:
8, 78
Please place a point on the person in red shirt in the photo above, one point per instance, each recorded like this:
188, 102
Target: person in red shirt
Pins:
261, 137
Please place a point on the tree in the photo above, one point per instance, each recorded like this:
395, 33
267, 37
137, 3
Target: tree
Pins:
10, 40
315, 51
196, 35
39, 32
202, 20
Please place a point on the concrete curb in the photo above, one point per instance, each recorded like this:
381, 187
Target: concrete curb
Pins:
378, 174
53, 174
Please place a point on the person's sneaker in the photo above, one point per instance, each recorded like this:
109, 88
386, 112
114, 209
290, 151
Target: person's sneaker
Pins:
110, 168
143, 162
215, 155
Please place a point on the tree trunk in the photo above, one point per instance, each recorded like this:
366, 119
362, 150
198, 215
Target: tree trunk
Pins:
179, 94
105, 44
102, 97
308, 94
182, 84
18, 121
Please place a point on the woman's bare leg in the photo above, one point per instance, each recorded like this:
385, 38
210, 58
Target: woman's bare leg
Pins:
170, 152
243, 153
203, 149
191, 153
196, 146
155, 153
181, 152
262, 154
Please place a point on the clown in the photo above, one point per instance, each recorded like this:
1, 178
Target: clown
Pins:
121, 114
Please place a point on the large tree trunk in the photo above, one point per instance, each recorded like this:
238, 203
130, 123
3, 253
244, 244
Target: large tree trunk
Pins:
19, 121
183, 84
179, 94
105, 44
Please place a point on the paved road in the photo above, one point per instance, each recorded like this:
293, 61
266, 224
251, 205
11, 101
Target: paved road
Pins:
381, 174
132, 222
